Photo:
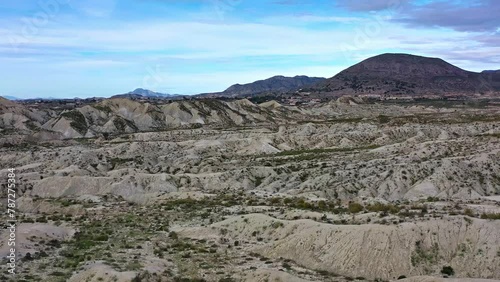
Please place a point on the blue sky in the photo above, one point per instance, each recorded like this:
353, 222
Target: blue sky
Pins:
85, 48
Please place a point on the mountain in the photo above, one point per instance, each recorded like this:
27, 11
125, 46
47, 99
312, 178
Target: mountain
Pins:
492, 77
491, 71
11, 97
404, 74
142, 93
274, 84
149, 93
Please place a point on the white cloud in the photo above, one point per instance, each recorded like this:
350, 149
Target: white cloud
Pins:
310, 18
122, 51
95, 8
208, 40
89, 63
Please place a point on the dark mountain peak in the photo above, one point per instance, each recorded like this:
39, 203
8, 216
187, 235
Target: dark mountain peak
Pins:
402, 56
404, 74
404, 65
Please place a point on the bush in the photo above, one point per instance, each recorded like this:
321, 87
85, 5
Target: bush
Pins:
469, 212
28, 257
275, 201
173, 235
448, 270
101, 237
42, 219
490, 216
379, 207
355, 207
277, 224
57, 273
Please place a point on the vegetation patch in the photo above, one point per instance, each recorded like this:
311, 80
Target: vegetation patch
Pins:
78, 121
121, 124
323, 151
492, 216
102, 108
423, 255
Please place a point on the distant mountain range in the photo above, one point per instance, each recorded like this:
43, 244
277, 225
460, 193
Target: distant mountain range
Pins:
404, 74
274, 85
12, 98
386, 74
145, 93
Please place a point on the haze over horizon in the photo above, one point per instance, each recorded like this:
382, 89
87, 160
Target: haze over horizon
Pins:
68, 48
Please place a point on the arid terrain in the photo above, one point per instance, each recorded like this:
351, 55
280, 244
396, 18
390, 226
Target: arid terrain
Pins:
210, 190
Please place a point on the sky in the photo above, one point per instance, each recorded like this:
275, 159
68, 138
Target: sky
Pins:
88, 48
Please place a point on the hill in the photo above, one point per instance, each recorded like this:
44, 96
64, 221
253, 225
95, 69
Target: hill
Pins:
118, 115
404, 74
273, 85
492, 77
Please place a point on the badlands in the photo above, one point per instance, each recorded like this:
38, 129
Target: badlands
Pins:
212, 190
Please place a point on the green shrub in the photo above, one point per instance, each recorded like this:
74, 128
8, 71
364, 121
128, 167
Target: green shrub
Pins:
355, 207
277, 224
448, 270
493, 216
173, 235
102, 237
469, 212
379, 207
